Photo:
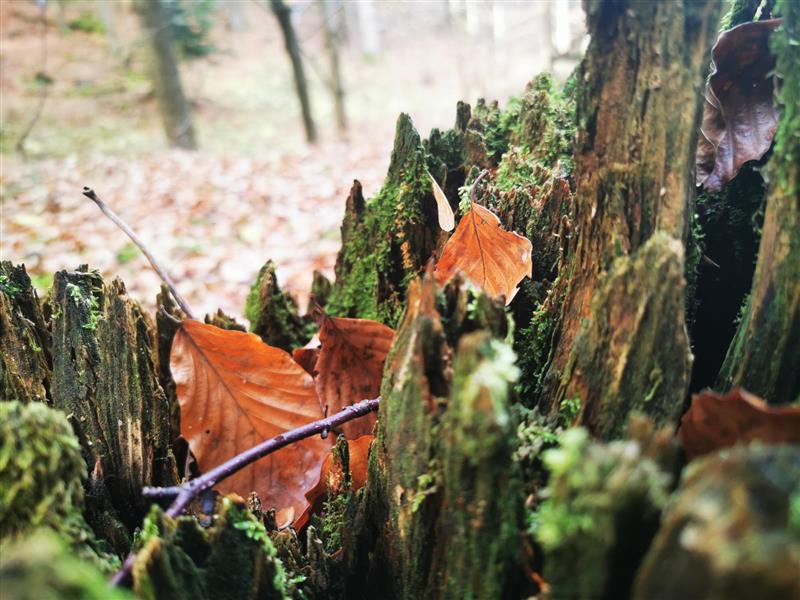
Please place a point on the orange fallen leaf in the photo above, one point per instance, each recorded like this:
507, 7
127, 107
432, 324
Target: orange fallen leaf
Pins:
358, 450
714, 421
490, 257
350, 366
444, 211
307, 356
234, 392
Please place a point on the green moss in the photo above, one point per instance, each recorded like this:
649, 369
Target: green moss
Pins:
568, 411
533, 346
235, 558
784, 43
273, 313
41, 468
601, 501
41, 472
89, 302
42, 566
390, 239
9, 287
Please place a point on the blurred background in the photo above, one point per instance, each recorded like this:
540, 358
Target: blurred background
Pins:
227, 132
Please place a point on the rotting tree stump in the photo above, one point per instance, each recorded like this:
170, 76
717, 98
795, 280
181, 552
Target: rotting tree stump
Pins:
462, 498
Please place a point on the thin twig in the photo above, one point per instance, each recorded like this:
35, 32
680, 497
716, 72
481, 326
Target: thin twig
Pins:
184, 494
90, 193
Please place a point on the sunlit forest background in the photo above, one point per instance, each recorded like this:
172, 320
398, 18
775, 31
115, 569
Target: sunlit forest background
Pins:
78, 108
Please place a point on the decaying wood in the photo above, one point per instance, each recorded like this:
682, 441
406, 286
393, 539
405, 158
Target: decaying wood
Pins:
104, 378
25, 359
633, 172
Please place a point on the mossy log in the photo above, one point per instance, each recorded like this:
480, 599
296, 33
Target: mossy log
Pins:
25, 360
105, 379
633, 166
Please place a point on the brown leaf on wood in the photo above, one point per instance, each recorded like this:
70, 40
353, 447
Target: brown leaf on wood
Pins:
714, 421
350, 366
333, 479
739, 116
447, 220
490, 257
234, 392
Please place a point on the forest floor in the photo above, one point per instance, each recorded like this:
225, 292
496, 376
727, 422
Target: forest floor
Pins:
255, 190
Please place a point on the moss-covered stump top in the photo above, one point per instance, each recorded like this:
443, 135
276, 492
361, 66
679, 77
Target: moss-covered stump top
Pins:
235, 559
40, 468
43, 567
388, 239
105, 378
25, 360
273, 313
732, 530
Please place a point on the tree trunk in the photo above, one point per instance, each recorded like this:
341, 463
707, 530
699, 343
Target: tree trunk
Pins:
175, 110
763, 356
331, 20
284, 15
633, 174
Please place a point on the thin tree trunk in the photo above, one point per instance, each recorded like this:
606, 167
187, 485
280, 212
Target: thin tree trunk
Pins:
763, 356
332, 27
173, 105
283, 14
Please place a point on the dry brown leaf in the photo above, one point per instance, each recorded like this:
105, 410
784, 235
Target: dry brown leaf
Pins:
490, 257
714, 421
234, 392
307, 358
350, 366
739, 115
329, 478
447, 220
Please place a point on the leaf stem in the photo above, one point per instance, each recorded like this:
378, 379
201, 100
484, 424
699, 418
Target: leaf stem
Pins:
90, 193
184, 494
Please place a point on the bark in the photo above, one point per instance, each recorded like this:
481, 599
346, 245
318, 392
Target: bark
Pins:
284, 15
763, 354
25, 360
104, 377
174, 107
431, 524
633, 167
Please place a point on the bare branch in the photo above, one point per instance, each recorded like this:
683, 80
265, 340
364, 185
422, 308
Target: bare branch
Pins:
90, 193
184, 494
